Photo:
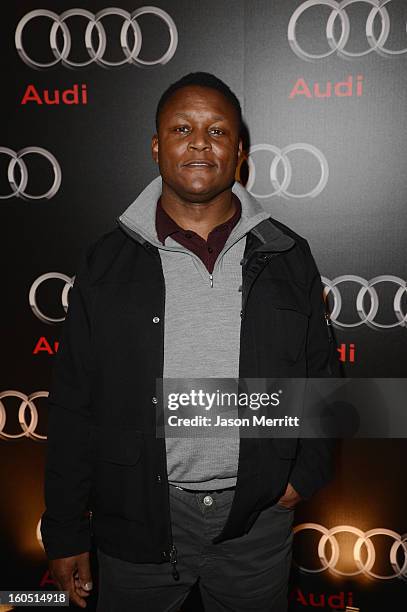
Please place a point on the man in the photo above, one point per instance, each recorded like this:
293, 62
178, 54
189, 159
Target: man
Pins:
197, 280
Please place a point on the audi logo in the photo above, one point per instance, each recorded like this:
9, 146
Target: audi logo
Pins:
363, 541
131, 53
281, 157
18, 188
369, 288
338, 45
32, 295
28, 429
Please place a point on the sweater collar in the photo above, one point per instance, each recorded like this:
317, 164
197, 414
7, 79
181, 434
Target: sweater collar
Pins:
139, 219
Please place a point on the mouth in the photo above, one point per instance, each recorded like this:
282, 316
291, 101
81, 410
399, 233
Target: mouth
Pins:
199, 163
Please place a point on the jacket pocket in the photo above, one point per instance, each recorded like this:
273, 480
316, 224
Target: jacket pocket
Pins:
121, 446
287, 295
285, 312
118, 473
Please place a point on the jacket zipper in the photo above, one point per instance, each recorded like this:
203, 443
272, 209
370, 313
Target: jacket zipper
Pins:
173, 550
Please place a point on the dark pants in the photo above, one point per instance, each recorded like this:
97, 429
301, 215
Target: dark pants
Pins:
247, 573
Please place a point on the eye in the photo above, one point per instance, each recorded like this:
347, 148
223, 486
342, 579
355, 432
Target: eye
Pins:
217, 131
182, 129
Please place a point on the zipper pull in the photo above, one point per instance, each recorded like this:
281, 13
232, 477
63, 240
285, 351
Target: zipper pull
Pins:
211, 279
173, 561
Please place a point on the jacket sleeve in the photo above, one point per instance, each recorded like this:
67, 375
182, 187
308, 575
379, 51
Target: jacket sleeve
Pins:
65, 526
314, 463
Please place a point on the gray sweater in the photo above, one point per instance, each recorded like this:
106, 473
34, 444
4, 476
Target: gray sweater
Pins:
201, 329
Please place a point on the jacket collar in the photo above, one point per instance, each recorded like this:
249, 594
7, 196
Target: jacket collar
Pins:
271, 237
138, 220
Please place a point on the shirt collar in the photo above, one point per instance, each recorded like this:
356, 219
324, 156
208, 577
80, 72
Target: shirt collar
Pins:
165, 225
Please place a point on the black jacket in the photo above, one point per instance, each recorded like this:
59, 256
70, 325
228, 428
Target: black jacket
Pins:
106, 471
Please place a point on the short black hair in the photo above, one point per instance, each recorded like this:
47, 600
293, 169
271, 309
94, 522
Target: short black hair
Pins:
202, 79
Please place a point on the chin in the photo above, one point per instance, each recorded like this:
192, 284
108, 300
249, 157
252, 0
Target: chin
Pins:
199, 190
201, 195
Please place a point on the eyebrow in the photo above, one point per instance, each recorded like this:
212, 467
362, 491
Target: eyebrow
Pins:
185, 116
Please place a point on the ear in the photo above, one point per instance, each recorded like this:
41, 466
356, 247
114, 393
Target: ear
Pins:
240, 150
154, 148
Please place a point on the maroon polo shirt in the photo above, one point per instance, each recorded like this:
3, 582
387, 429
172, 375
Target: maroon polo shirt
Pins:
207, 250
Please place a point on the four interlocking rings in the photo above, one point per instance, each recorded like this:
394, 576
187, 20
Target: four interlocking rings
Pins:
375, 44
366, 287
363, 541
281, 155
28, 429
97, 55
18, 188
32, 296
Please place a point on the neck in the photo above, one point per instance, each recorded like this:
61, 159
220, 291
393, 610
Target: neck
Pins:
200, 217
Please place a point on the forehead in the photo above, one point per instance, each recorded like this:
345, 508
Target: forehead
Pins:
194, 99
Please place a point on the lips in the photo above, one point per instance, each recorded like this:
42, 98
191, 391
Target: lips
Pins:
199, 163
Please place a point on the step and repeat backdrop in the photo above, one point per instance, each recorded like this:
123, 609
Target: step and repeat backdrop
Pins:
323, 88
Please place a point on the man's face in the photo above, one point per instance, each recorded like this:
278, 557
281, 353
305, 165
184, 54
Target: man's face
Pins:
198, 145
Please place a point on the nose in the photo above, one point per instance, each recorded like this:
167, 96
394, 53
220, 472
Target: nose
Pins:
199, 141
